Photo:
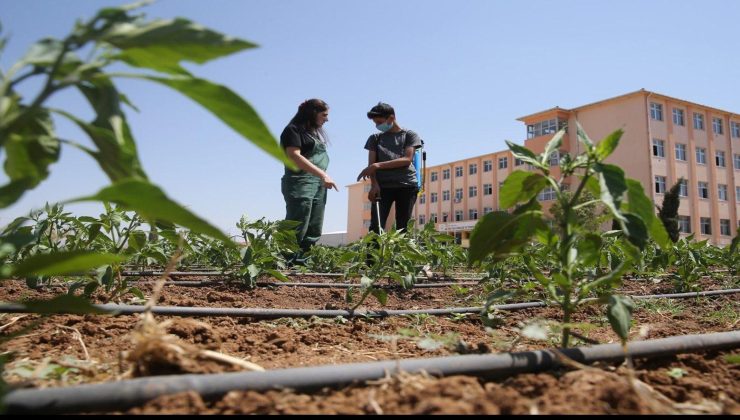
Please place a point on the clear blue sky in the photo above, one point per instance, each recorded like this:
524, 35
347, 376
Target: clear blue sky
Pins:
458, 73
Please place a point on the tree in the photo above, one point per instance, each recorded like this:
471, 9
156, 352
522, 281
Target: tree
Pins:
668, 213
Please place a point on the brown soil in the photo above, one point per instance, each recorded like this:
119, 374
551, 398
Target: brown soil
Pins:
287, 343
711, 389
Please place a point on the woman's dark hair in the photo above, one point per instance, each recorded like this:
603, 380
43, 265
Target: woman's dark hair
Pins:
305, 118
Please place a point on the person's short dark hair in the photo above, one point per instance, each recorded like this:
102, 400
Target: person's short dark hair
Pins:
381, 110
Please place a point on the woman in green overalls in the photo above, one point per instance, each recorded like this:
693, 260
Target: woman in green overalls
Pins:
304, 191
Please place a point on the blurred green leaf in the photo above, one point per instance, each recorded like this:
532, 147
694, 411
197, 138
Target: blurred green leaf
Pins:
607, 145
502, 234
619, 313
65, 304
553, 145
61, 263
612, 186
152, 204
639, 204
229, 108
520, 187
162, 44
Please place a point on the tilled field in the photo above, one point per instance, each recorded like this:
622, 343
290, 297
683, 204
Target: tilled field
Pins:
63, 350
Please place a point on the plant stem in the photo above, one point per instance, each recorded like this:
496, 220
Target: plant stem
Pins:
566, 319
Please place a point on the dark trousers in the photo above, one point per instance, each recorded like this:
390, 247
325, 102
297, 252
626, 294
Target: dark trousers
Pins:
404, 198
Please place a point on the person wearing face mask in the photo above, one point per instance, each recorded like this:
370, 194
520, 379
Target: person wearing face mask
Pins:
304, 191
390, 167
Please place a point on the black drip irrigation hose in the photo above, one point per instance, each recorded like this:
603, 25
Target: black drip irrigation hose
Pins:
228, 273
262, 313
311, 285
129, 393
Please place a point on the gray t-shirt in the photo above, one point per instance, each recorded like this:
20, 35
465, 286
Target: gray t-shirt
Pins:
389, 146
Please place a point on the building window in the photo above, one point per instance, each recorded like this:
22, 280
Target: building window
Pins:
703, 190
473, 168
698, 121
678, 117
659, 184
518, 162
547, 194
434, 197
737, 194
487, 210
550, 126
458, 195
658, 148
445, 174
458, 171
473, 213
487, 165
680, 151
423, 198
367, 188
722, 192
701, 155
554, 159
719, 158
433, 218
724, 227
735, 129
656, 111
422, 219
736, 161
683, 188
367, 206
684, 224
446, 195
717, 126
503, 163
473, 191
487, 189
366, 223
706, 225
458, 215
434, 176
445, 217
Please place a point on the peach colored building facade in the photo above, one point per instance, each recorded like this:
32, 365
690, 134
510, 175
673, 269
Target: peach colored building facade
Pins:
664, 139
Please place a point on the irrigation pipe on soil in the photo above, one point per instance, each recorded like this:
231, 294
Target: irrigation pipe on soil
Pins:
311, 285
262, 313
228, 273
128, 393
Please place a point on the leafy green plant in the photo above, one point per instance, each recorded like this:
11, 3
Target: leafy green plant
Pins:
327, 259
730, 255
572, 247
439, 249
389, 255
115, 36
691, 262
267, 248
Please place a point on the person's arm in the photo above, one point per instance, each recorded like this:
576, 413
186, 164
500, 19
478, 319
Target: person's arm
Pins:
294, 153
375, 187
401, 162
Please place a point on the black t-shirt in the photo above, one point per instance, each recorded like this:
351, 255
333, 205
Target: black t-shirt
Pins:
390, 146
294, 136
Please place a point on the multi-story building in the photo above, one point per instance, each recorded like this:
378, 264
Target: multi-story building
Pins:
665, 139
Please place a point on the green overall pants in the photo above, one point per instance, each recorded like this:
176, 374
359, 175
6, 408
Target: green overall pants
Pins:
305, 199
